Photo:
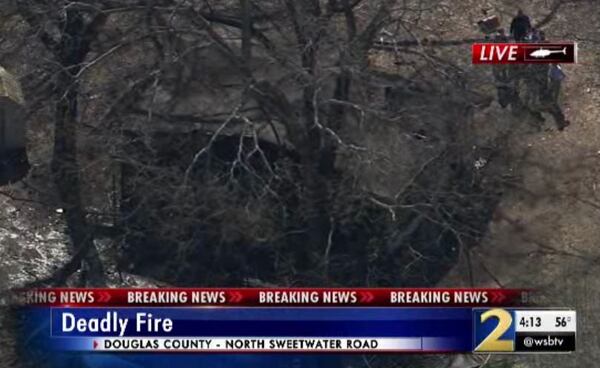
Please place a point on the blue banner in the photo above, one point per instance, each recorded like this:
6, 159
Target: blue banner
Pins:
333, 322
65, 337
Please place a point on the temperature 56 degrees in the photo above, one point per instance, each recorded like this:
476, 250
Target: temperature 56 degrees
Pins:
562, 321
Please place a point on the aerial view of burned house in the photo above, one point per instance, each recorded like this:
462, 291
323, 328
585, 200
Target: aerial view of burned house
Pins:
249, 144
325, 143
270, 159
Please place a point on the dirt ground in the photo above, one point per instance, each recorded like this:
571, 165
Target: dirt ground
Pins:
545, 235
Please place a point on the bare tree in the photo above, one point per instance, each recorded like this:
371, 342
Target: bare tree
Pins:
67, 32
245, 139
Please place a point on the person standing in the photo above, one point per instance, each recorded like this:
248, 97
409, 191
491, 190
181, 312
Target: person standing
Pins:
552, 94
544, 84
520, 26
505, 85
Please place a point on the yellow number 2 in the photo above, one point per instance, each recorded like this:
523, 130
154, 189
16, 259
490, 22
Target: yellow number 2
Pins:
493, 342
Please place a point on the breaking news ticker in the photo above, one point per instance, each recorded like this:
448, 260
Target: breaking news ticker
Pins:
63, 322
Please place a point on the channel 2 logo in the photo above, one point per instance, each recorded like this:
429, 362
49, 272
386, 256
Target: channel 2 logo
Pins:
499, 330
494, 330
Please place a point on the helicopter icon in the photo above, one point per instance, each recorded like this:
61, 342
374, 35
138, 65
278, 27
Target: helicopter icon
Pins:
542, 53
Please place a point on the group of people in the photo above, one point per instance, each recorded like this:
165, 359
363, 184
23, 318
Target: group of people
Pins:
530, 89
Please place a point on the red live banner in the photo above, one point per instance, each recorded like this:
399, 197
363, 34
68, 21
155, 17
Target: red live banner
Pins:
524, 53
265, 297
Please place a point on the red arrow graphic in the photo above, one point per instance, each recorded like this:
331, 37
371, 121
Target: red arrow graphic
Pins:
103, 297
235, 297
498, 297
366, 297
